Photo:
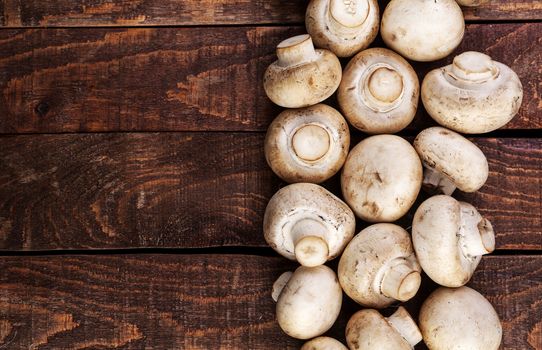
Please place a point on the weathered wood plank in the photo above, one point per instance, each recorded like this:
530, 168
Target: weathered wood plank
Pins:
99, 80
63, 13
198, 190
202, 302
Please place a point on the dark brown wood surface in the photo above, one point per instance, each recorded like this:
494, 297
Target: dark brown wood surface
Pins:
203, 302
198, 190
62, 13
161, 79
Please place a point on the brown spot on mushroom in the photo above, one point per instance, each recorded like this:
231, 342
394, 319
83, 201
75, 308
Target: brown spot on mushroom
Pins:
444, 132
393, 37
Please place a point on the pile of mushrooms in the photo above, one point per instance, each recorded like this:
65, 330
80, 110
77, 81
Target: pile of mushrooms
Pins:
382, 176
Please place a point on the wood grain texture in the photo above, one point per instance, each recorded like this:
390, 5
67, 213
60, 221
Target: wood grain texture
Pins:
69, 13
198, 190
99, 80
202, 302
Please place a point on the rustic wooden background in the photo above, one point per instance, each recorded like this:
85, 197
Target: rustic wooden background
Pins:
133, 182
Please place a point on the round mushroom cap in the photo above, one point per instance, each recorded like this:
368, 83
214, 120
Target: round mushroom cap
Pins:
369, 330
423, 30
378, 255
307, 144
344, 27
302, 76
305, 209
459, 318
453, 156
472, 95
381, 178
379, 91
449, 238
310, 302
323, 343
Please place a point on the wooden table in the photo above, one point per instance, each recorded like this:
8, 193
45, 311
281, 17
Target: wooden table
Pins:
133, 182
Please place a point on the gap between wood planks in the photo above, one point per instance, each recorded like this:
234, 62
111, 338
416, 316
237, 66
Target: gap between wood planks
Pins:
227, 250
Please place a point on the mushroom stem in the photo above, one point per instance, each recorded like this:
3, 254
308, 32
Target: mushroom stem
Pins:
311, 251
279, 285
349, 14
400, 282
405, 325
476, 234
436, 182
296, 50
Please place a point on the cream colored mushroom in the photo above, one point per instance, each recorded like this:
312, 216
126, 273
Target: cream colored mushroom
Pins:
459, 318
309, 302
369, 330
302, 76
381, 178
423, 30
307, 144
307, 223
472, 95
449, 238
379, 92
378, 267
323, 343
450, 161
343, 26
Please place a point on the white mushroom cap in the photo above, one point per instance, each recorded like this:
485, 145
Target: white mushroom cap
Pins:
459, 318
450, 161
381, 178
310, 302
379, 92
449, 238
423, 30
378, 266
369, 330
472, 95
323, 343
302, 76
307, 223
307, 144
344, 27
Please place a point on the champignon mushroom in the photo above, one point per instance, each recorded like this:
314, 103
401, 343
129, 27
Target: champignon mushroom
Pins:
309, 302
472, 95
323, 343
379, 92
307, 144
302, 76
378, 266
369, 330
449, 238
459, 318
307, 223
344, 27
450, 161
381, 178
423, 30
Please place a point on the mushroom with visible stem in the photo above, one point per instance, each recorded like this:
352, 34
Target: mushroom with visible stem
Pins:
381, 178
379, 92
302, 76
307, 223
308, 301
459, 318
450, 161
344, 27
472, 95
449, 238
378, 267
323, 343
369, 330
307, 144
423, 30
